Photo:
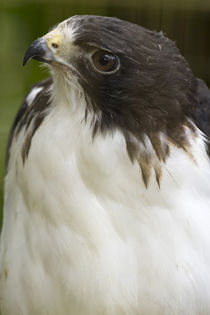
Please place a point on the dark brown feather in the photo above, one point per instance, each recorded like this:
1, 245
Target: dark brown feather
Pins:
30, 116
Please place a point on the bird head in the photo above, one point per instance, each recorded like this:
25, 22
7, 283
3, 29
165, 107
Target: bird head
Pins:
135, 80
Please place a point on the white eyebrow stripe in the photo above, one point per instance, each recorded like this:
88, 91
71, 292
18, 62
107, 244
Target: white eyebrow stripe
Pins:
32, 95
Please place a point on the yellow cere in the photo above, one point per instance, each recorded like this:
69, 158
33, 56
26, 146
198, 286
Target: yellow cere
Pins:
53, 39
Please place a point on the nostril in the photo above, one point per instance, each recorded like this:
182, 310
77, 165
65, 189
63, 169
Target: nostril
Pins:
54, 45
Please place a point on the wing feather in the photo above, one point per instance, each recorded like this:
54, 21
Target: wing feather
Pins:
202, 115
33, 108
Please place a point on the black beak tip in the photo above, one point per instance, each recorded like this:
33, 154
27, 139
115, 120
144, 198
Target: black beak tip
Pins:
25, 59
38, 50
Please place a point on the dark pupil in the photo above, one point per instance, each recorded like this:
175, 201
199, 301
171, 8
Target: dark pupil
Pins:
104, 60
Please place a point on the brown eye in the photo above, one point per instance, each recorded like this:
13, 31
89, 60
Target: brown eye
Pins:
105, 61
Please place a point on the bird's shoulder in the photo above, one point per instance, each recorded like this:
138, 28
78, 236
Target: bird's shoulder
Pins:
202, 114
32, 109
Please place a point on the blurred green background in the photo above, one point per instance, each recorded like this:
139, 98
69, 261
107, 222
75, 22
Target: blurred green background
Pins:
185, 21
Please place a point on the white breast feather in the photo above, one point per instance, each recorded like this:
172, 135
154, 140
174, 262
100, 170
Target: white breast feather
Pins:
83, 236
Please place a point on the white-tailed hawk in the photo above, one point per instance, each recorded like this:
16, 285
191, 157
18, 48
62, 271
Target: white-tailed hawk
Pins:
107, 189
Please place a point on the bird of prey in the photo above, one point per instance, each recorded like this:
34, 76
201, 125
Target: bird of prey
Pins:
107, 188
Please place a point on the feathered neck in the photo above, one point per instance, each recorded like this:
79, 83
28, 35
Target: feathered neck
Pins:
151, 151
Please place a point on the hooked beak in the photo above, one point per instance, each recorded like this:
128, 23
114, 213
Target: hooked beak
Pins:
39, 50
